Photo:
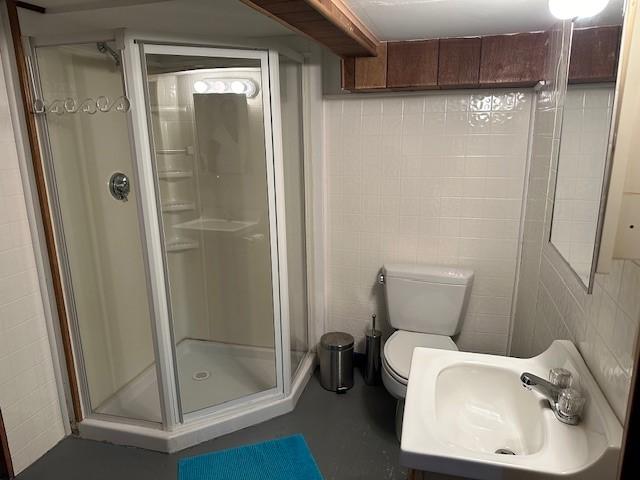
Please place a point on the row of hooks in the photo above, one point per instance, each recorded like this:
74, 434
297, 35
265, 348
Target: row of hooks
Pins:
88, 105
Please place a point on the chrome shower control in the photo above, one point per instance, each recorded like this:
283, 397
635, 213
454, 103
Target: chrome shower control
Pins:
119, 186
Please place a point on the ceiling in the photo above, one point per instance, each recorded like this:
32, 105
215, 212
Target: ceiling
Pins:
418, 19
220, 18
387, 19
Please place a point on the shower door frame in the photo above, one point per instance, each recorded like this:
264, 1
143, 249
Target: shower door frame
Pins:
134, 61
55, 213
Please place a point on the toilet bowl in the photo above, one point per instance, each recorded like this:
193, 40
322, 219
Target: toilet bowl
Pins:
426, 304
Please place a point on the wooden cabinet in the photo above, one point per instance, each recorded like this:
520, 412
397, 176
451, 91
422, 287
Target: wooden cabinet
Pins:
413, 64
594, 54
513, 60
496, 61
348, 73
371, 72
459, 62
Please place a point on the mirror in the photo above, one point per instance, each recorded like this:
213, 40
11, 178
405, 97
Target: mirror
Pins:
582, 169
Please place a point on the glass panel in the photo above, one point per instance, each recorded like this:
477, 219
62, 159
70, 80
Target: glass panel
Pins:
102, 235
209, 141
293, 150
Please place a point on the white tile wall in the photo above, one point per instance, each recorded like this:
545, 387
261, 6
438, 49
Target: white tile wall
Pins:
435, 178
28, 395
552, 303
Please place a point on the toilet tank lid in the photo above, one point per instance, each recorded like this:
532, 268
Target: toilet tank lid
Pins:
429, 273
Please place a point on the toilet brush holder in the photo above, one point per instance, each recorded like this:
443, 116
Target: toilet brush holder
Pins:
373, 343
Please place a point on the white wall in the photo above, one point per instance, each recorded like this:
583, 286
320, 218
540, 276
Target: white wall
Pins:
28, 396
552, 302
429, 178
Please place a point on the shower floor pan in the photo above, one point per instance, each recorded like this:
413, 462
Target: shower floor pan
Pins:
210, 373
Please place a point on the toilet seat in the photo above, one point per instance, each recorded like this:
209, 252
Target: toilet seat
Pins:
397, 353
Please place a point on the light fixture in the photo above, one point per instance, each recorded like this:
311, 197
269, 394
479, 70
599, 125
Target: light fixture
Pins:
200, 86
566, 9
239, 86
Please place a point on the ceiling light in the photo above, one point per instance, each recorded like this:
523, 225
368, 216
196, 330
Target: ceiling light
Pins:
566, 9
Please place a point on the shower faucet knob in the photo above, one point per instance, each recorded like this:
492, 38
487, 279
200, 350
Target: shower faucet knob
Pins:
119, 186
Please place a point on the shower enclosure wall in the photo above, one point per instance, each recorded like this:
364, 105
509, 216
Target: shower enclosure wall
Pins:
176, 177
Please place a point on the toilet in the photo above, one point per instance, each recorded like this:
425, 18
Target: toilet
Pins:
426, 305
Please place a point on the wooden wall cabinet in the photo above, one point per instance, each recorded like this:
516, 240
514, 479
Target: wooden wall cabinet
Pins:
594, 54
459, 62
371, 72
413, 64
496, 61
513, 60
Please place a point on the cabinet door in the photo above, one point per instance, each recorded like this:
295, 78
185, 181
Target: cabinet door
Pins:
459, 62
371, 72
513, 60
413, 64
594, 54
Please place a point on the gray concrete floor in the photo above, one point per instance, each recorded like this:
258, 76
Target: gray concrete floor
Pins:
351, 436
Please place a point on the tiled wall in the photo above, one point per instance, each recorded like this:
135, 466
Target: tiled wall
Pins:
552, 302
28, 395
585, 134
430, 178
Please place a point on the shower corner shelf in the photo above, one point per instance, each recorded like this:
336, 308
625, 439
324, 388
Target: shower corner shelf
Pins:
175, 207
175, 174
177, 246
216, 225
188, 150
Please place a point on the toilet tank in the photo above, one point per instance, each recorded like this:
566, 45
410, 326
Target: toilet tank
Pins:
427, 298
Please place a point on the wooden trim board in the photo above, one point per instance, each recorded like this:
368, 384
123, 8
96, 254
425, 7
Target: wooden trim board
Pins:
329, 22
43, 202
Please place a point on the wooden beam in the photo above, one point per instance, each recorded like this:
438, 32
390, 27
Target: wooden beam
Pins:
329, 22
43, 202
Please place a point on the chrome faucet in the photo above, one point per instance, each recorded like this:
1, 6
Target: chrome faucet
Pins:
565, 402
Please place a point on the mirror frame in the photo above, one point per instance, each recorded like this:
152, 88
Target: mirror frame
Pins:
608, 163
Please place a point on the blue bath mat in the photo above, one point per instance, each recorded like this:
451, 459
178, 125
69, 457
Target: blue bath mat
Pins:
287, 458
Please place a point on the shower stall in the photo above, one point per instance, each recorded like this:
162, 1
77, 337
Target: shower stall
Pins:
176, 175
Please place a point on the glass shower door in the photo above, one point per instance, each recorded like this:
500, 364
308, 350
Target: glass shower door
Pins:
210, 119
84, 128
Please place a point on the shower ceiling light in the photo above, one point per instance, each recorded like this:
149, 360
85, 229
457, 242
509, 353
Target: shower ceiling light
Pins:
566, 9
239, 86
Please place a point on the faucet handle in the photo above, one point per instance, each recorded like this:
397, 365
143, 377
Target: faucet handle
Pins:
570, 403
560, 377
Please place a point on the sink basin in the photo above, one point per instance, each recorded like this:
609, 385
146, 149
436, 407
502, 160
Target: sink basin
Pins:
468, 415
482, 409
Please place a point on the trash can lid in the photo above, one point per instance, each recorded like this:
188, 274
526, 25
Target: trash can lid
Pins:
336, 341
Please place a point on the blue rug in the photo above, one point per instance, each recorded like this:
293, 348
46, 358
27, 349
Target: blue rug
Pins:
287, 458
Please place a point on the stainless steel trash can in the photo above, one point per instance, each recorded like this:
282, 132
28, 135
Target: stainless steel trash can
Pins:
336, 361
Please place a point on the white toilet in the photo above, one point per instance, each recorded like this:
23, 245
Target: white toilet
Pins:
426, 305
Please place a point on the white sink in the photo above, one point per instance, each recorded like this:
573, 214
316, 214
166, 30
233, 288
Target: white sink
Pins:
463, 407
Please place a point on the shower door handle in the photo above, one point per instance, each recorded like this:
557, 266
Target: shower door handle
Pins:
119, 186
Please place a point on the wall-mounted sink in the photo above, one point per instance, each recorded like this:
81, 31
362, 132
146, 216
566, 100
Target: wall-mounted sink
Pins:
468, 415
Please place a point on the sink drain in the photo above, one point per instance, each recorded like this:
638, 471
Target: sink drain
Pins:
201, 375
505, 451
